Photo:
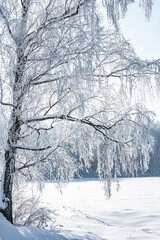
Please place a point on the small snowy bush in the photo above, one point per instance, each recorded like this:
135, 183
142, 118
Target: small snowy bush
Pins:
29, 210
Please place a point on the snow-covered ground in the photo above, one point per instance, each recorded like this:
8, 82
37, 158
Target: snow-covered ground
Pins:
84, 213
10, 232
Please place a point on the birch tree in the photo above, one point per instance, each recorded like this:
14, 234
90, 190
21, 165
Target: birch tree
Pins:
64, 87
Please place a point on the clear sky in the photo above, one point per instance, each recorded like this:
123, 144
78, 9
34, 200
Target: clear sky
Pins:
144, 35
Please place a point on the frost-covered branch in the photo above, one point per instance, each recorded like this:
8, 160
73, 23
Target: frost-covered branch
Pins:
117, 9
101, 128
6, 22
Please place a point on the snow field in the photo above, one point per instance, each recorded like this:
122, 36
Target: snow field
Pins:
84, 213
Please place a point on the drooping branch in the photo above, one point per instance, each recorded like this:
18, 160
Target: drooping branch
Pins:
117, 9
101, 128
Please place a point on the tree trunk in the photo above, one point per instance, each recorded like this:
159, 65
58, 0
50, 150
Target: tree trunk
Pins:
9, 169
7, 183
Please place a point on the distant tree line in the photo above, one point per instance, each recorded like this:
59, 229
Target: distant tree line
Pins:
154, 164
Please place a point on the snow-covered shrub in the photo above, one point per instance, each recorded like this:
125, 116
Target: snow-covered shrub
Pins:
29, 210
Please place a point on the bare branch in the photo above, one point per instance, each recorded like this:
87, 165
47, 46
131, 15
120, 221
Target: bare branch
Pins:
31, 148
7, 104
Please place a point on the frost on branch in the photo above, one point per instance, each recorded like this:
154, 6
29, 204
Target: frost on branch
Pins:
117, 9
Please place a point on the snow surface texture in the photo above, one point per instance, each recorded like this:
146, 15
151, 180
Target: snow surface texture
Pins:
83, 213
10, 232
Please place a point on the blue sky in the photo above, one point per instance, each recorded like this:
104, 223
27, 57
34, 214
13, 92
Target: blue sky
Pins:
144, 35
